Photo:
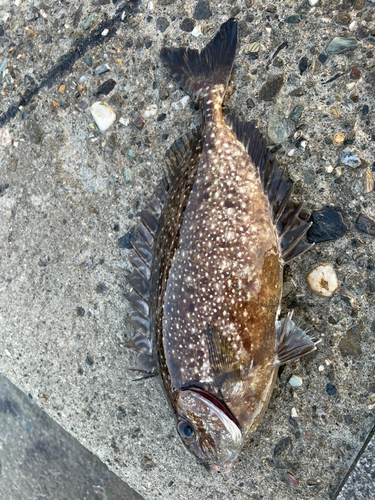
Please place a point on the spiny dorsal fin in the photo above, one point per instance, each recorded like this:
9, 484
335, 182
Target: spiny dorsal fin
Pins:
224, 363
292, 340
283, 210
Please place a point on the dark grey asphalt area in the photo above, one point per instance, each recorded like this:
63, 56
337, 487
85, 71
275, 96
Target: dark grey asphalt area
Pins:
41, 461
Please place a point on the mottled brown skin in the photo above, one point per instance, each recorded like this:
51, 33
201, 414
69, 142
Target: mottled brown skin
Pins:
218, 263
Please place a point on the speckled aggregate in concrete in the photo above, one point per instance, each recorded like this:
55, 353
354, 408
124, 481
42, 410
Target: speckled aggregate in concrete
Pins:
68, 193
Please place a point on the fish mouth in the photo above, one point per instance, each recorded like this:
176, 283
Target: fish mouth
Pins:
213, 400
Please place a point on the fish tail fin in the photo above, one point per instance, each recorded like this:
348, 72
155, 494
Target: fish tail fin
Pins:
197, 71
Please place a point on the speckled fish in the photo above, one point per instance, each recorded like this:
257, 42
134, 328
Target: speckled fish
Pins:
208, 260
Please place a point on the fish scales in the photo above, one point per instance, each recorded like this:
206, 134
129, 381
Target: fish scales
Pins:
218, 241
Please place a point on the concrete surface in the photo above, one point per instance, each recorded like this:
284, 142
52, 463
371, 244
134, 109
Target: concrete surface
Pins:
39, 460
68, 193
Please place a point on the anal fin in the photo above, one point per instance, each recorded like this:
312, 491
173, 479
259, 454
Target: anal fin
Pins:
292, 340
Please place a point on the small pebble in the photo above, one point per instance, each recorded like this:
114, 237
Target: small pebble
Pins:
187, 25
291, 152
272, 87
103, 115
368, 182
351, 157
103, 68
181, 104
152, 110
295, 381
106, 87
313, 2
62, 89
365, 225
105, 32
339, 171
162, 24
340, 44
323, 280
197, 31
293, 413
250, 103
331, 390
88, 61
296, 114
89, 21
124, 121
128, 176
339, 139
329, 169
355, 73
139, 122
5, 138
202, 10
147, 463
321, 368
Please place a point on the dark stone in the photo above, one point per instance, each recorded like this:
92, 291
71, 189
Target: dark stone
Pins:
148, 42
283, 445
292, 20
129, 43
139, 122
350, 344
89, 361
163, 93
102, 289
1, 31
161, 117
272, 87
322, 58
278, 62
302, 66
80, 311
298, 92
365, 225
166, 2
106, 87
327, 225
373, 328
250, 103
331, 390
343, 18
162, 24
3, 188
187, 24
365, 109
202, 10
295, 115
124, 241
371, 286
271, 8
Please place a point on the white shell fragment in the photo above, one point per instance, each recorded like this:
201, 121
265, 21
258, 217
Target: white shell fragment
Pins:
293, 413
5, 138
295, 381
323, 280
152, 110
103, 115
351, 157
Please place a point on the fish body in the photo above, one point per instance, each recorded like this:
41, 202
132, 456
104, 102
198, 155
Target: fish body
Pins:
222, 232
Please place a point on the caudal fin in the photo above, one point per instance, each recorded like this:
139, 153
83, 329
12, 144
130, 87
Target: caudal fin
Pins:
194, 71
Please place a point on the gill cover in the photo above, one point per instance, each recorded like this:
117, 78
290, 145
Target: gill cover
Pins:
208, 430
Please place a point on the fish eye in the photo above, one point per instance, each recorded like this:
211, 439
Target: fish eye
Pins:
186, 431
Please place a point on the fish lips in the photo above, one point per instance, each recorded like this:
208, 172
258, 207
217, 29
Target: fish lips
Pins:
218, 437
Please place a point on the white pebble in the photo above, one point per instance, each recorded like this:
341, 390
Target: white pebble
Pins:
181, 104
291, 152
321, 368
329, 169
350, 85
313, 2
5, 138
124, 121
105, 32
293, 413
150, 111
295, 381
197, 31
353, 26
103, 115
323, 280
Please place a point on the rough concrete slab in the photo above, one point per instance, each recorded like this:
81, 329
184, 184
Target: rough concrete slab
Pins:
40, 460
361, 479
68, 193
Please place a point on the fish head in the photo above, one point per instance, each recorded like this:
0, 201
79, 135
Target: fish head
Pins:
208, 430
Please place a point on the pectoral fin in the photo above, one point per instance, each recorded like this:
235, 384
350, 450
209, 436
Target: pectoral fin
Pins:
293, 339
224, 363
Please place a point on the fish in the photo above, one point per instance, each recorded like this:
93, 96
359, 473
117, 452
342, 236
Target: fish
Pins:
208, 265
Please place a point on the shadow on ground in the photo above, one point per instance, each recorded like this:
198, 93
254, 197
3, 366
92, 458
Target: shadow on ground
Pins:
41, 461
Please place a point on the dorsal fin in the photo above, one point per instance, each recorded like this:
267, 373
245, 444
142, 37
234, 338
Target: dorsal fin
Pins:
142, 240
284, 211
